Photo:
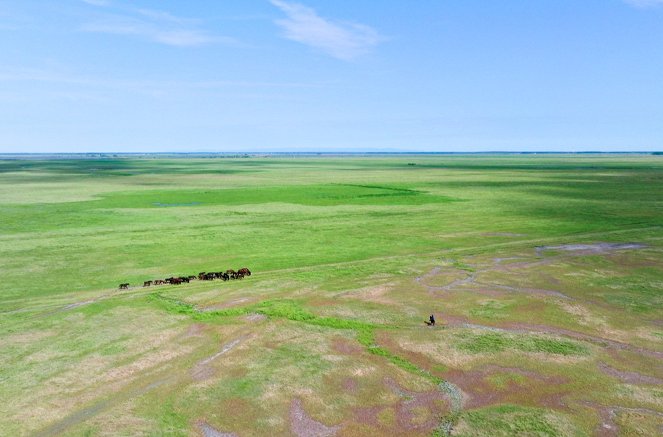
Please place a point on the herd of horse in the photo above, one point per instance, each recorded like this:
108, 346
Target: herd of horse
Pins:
202, 276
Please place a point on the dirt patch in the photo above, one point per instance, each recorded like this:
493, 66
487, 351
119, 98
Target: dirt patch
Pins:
350, 385
527, 290
517, 386
606, 426
595, 248
304, 426
630, 377
71, 306
255, 317
195, 330
203, 369
415, 413
468, 278
418, 410
502, 234
207, 430
434, 272
171, 205
346, 347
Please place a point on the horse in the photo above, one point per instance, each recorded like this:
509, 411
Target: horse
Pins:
124, 286
244, 271
147, 283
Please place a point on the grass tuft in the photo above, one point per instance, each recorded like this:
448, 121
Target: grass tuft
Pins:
497, 342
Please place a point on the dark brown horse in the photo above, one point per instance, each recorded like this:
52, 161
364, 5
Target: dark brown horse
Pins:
244, 271
124, 286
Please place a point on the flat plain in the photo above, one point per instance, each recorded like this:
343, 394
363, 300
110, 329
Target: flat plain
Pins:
545, 275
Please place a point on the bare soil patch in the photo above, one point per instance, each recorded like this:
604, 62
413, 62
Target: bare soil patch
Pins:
350, 385
595, 248
418, 410
534, 388
203, 369
415, 413
630, 377
346, 347
302, 425
255, 317
528, 290
207, 430
195, 330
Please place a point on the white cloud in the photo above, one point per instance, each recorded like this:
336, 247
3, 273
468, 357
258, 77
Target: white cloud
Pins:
154, 31
645, 3
157, 26
342, 40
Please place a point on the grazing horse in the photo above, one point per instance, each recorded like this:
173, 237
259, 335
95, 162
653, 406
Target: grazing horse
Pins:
231, 272
192, 277
158, 282
124, 286
244, 271
147, 283
225, 276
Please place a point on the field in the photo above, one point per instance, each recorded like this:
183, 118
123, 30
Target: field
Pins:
545, 275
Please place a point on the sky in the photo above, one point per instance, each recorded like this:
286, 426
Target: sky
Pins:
341, 75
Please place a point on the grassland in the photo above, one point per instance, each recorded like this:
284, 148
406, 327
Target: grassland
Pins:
545, 274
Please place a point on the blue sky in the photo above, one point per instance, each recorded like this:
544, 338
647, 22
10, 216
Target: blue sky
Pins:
261, 75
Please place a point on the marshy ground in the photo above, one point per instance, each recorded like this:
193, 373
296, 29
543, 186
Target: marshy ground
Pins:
545, 275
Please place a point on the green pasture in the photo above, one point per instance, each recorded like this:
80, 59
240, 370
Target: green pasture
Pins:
349, 256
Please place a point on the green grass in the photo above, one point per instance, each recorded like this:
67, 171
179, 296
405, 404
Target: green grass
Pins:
510, 420
341, 248
497, 342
